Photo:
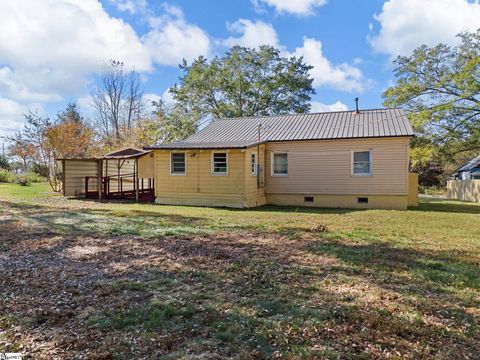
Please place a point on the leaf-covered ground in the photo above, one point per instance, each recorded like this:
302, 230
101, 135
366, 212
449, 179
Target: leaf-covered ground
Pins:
88, 280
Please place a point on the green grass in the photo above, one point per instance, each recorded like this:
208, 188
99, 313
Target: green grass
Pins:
173, 282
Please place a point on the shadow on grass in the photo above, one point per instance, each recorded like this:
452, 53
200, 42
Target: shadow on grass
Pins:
108, 221
219, 297
437, 272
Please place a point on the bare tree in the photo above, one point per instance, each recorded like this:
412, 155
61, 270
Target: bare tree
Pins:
118, 102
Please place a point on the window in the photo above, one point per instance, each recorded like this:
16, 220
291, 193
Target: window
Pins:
362, 165
253, 164
177, 164
219, 164
362, 200
280, 164
308, 199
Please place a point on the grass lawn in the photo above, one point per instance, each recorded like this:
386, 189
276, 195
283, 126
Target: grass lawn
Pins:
82, 279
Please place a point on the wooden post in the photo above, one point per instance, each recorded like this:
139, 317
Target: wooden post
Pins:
99, 181
86, 186
107, 181
135, 174
63, 176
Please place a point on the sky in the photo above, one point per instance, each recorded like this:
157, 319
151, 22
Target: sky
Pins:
52, 51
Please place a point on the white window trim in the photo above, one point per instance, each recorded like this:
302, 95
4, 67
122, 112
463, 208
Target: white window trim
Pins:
184, 154
211, 163
353, 165
254, 173
272, 173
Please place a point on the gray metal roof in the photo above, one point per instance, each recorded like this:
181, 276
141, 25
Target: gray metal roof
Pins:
243, 132
470, 164
207, 145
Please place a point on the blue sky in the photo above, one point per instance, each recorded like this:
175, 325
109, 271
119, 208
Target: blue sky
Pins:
52, 51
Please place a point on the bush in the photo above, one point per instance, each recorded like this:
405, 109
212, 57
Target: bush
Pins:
433, 190
6, 176
24, 179
35, 178
40, 169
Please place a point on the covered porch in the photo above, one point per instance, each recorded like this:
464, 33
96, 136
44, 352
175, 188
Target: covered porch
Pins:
122, 175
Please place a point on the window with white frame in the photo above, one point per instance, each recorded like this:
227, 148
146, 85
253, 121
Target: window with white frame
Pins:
362, 163
253, 164
219, 163
177, 163
280, 164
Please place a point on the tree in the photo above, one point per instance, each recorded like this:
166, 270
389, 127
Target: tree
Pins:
118, 102
49, 141
166, 124
440, 89
23, 150
71, 114
4, 163
245, 82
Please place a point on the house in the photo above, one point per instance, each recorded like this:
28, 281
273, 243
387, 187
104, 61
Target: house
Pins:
469, 170
465, 184
351, 159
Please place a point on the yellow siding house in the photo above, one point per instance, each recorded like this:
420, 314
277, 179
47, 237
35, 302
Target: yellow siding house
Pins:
353, 159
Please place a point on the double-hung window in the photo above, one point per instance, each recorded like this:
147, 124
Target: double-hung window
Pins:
253, 164
362, 163
220, 163
279, 164
177, 163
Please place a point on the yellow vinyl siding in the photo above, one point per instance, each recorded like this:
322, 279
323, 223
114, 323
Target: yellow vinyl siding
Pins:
75, 172
254, 195
199, 186
412, 189
146, 168
325, 167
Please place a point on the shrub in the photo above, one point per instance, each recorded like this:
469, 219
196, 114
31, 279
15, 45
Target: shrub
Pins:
35, 178
6, 176
22, 180
40, 169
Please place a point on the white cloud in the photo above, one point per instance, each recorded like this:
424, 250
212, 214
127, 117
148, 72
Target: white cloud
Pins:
172, 39
342, 77
252, 34
132, 6
321, 107
50, 48
12, 115
407, 24
296, 7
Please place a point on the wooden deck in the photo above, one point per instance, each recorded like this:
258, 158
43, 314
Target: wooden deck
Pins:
142, 191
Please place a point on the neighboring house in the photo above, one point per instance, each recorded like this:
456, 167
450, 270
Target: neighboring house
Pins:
340, 159
469, 171
466, 183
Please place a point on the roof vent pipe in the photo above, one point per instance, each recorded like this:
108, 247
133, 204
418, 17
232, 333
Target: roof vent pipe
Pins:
356, 106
